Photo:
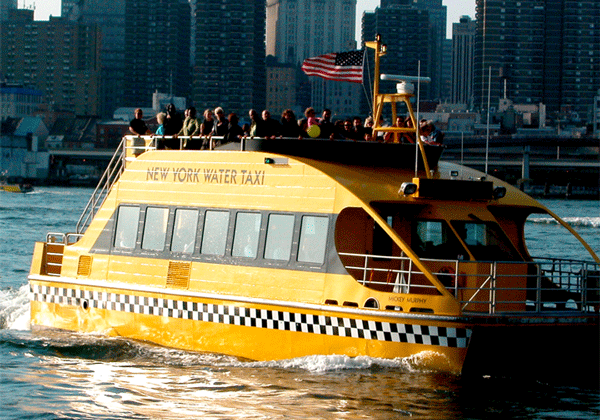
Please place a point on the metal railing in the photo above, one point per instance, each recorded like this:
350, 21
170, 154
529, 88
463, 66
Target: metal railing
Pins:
109, 177
543, 285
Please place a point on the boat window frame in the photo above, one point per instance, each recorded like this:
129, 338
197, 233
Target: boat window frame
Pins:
153, 234
175, 230
326, 263
134, 228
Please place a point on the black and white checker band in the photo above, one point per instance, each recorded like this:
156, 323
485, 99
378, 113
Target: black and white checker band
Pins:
252, 317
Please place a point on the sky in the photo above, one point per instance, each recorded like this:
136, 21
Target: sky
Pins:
456, 8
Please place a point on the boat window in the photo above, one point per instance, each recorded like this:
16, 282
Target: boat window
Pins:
184, 231
382, 242
214, 237
435, 239
128, 218
247, 233
280, 231
313, 238
155, 229
486, 241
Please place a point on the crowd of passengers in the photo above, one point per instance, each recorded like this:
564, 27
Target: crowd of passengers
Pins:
216, 123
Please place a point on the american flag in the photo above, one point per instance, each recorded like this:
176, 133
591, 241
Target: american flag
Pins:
343, 66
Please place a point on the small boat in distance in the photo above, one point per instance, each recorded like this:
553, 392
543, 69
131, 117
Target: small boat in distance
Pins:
273, 249
13, 187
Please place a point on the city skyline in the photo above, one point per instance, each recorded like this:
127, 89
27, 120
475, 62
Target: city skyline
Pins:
456, 8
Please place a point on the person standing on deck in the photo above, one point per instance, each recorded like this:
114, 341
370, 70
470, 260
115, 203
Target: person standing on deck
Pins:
138, 126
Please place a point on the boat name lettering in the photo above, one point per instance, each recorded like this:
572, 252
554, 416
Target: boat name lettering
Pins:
408, 300
208, 176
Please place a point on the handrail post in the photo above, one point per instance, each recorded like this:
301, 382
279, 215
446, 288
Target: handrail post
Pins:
492, 294
538, 289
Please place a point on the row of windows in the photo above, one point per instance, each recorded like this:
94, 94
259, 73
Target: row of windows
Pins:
214, 232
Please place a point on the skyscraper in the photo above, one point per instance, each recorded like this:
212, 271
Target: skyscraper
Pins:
229, 68
111, 21
157, 50
463, 42
406, 32
536, 51
300, 29
58, 57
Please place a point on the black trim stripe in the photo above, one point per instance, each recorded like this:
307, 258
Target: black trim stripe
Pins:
253, 317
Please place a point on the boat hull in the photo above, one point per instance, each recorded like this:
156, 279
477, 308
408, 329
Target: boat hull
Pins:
249, 329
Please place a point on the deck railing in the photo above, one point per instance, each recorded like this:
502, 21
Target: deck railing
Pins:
546, 284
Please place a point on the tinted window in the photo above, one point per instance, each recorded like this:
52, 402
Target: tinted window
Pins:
184, 231
214, 237
435, 239
486, 241
155, 229
280, 231
247, 233
127, 227
313, 239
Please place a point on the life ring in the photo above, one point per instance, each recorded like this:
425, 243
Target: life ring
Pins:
447, 276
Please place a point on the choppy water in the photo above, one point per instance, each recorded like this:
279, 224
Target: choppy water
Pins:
73, 376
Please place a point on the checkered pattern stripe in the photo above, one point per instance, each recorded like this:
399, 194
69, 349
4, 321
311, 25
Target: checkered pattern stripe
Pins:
258, 318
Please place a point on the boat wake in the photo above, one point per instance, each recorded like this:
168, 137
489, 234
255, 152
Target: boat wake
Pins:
14, 308
591, 222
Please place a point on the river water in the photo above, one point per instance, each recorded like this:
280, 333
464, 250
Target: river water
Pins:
73, 376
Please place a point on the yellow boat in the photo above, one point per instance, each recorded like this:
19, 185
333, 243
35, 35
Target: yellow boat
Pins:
274, 249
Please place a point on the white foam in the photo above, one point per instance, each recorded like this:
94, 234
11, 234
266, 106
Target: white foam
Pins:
14, 308
593, 222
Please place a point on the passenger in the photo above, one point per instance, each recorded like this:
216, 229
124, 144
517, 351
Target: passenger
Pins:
272, 126
310, 115
234, 131
408, 137
359, 130
327, 127
138, 126
289, 125
221, 123
369, 123
171, 127
303, 126
191, 127
173, 121
348, 130
338, 130
257, 125
207, 126
160, 119
435, 136
246, 129
390, 137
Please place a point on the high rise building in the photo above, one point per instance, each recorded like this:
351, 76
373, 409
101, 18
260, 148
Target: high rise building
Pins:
300, 29
405, 30
463, 42
157, 50
434, 54
58, 57
538, 51
111, 21
5, 6
229, 68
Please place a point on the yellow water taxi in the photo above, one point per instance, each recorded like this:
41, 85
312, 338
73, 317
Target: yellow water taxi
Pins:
274, 249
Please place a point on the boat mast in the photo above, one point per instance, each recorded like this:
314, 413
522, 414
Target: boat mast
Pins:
379, 99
